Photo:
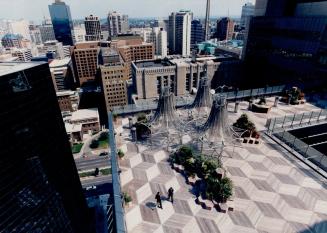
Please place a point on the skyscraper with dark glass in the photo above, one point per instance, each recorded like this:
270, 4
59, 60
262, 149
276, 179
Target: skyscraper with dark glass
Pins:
62, 22
40, 189
287, 43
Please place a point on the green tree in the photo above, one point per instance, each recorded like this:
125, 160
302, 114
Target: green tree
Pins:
94, 144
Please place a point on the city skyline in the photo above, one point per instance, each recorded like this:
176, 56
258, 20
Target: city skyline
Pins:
140, 9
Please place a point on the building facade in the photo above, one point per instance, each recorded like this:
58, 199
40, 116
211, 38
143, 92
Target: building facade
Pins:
180, 33
42, 190
225, 29
92, 28
289, 44
197, 32
47, 33
85, 60
181, 75
159, 39
62, 74
247, 12
88, 119
117, 24
22, 54
62, 22
12, 41
114, 74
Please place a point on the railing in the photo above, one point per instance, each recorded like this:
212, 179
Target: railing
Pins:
119, 221
308, 152
231, 96
279, 124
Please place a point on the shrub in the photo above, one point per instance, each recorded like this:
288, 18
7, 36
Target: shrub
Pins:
120, 153
94, 144
141, 117
103, 136
244, 123
127, 197
219, 190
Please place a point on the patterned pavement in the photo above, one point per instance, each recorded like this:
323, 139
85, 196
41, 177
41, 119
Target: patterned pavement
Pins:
273, 192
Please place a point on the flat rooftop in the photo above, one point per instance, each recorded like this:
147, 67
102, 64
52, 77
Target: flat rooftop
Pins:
59, 62
153, 64
273, 191
12, 67
83, 114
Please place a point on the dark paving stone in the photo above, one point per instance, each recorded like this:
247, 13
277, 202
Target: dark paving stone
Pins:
268, 210
278, 161
254, 150
257, 166
293, 201
262, 185
285, 179
235, 171
239, 218
240, 193
207, 225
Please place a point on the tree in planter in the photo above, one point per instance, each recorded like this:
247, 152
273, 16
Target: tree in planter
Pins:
120, 153
219, 190
244, 123
225, 188
94, 144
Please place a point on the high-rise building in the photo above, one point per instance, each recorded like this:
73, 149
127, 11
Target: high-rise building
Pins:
114, 75
23, 54
35, 35
247, 11
92, 28
117, 24
41, 190
289, 43
79, 33
12, 41
180, 33
20, 27
62, 74
159, 39
207, 30
85, 60
54, 47
197, 32
62, 22
225, 29
47, 32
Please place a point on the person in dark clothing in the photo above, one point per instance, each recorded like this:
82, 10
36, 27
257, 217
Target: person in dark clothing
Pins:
158, 198
171, 194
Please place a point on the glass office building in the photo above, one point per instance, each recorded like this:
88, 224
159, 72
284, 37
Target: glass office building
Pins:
288, 44
62, 22
40, 190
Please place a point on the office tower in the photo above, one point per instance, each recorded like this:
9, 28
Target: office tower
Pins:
79, 33
35, 35
41, 191
247, 12
225, 29
114, 75
117, 24
92, 28
47, 32
62, 22
12, 41
159, 39
207, 31
288, 45
161, 24
62, 74
180, 33
85, 60
197, 32
23, 54
20, 27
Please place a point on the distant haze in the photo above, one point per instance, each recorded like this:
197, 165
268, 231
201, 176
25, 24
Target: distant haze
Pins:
38, 9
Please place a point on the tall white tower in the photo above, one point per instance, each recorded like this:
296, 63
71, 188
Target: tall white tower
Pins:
207, 22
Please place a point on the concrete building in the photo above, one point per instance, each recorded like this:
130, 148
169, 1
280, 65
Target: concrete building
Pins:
85, 60
117, 24
35, 35
247, 12
145, 33
197, 32
114, 74
54, 47
62, 22
159, 39
180, 33
225, 29
68, 100
23, 54
79, 33
88, 119
12, 41
47, 33
92, 28
181, 75
20, 27
62, 74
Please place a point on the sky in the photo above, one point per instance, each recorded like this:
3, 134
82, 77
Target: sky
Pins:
37, 9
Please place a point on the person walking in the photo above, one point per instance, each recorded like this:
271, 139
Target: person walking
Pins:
171, 194
158, 198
